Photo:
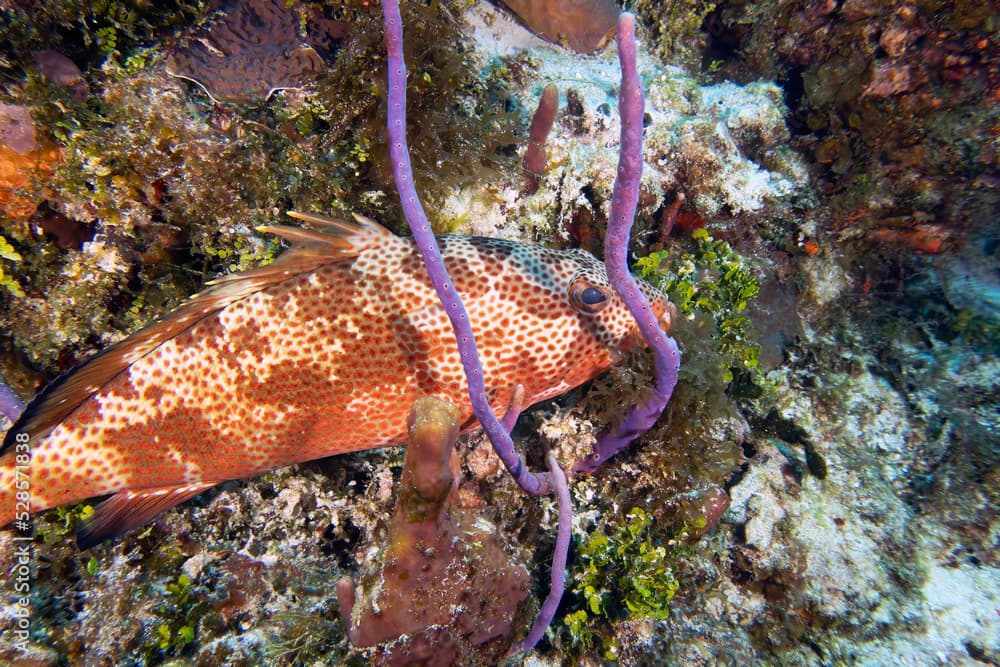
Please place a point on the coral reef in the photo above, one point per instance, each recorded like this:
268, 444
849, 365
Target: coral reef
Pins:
678, 33
642, 415
723, 146
87, 33
891, 100
161, 189
24, 162
858, 191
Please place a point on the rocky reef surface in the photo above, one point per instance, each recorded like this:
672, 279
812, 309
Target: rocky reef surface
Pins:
823, 487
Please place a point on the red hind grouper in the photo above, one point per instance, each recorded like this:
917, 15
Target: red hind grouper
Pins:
322, 352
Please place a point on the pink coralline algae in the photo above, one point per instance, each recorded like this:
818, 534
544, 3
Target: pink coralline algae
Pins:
255, 48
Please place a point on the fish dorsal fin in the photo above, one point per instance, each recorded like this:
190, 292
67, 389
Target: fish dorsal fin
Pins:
129, 510
328, 241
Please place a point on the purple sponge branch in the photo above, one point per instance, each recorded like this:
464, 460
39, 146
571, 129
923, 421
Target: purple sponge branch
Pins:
499, 434
423, 236
11, 406
514, 410
623, 206
624, 199
551, 604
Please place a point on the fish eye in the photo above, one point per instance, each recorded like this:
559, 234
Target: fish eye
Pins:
587, 297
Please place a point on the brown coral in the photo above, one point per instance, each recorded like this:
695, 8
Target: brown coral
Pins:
541, 123
447, 591
254, 49
61, 71
582, 25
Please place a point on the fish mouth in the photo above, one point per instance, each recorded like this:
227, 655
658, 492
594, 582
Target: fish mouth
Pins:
665, 312
663, 309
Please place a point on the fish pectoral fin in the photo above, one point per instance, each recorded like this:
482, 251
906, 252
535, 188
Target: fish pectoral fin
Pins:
129, 510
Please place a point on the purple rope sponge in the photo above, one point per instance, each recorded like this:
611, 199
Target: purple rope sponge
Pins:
499, 434
423, 236
623, 205
557, 584
624, 199
11, 406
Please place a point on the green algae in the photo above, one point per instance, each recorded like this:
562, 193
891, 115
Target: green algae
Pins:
460, 128
86, 31
7, 281
630, 572
633, 570
712, 280
303, 639
694, 447
676, 28
180, 610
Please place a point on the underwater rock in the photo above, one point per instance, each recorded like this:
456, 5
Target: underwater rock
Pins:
896, 97
61, 71
756, 502
890, 79
922, 239
582, 25
775, 320
254, 49
65, 232
971, 276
